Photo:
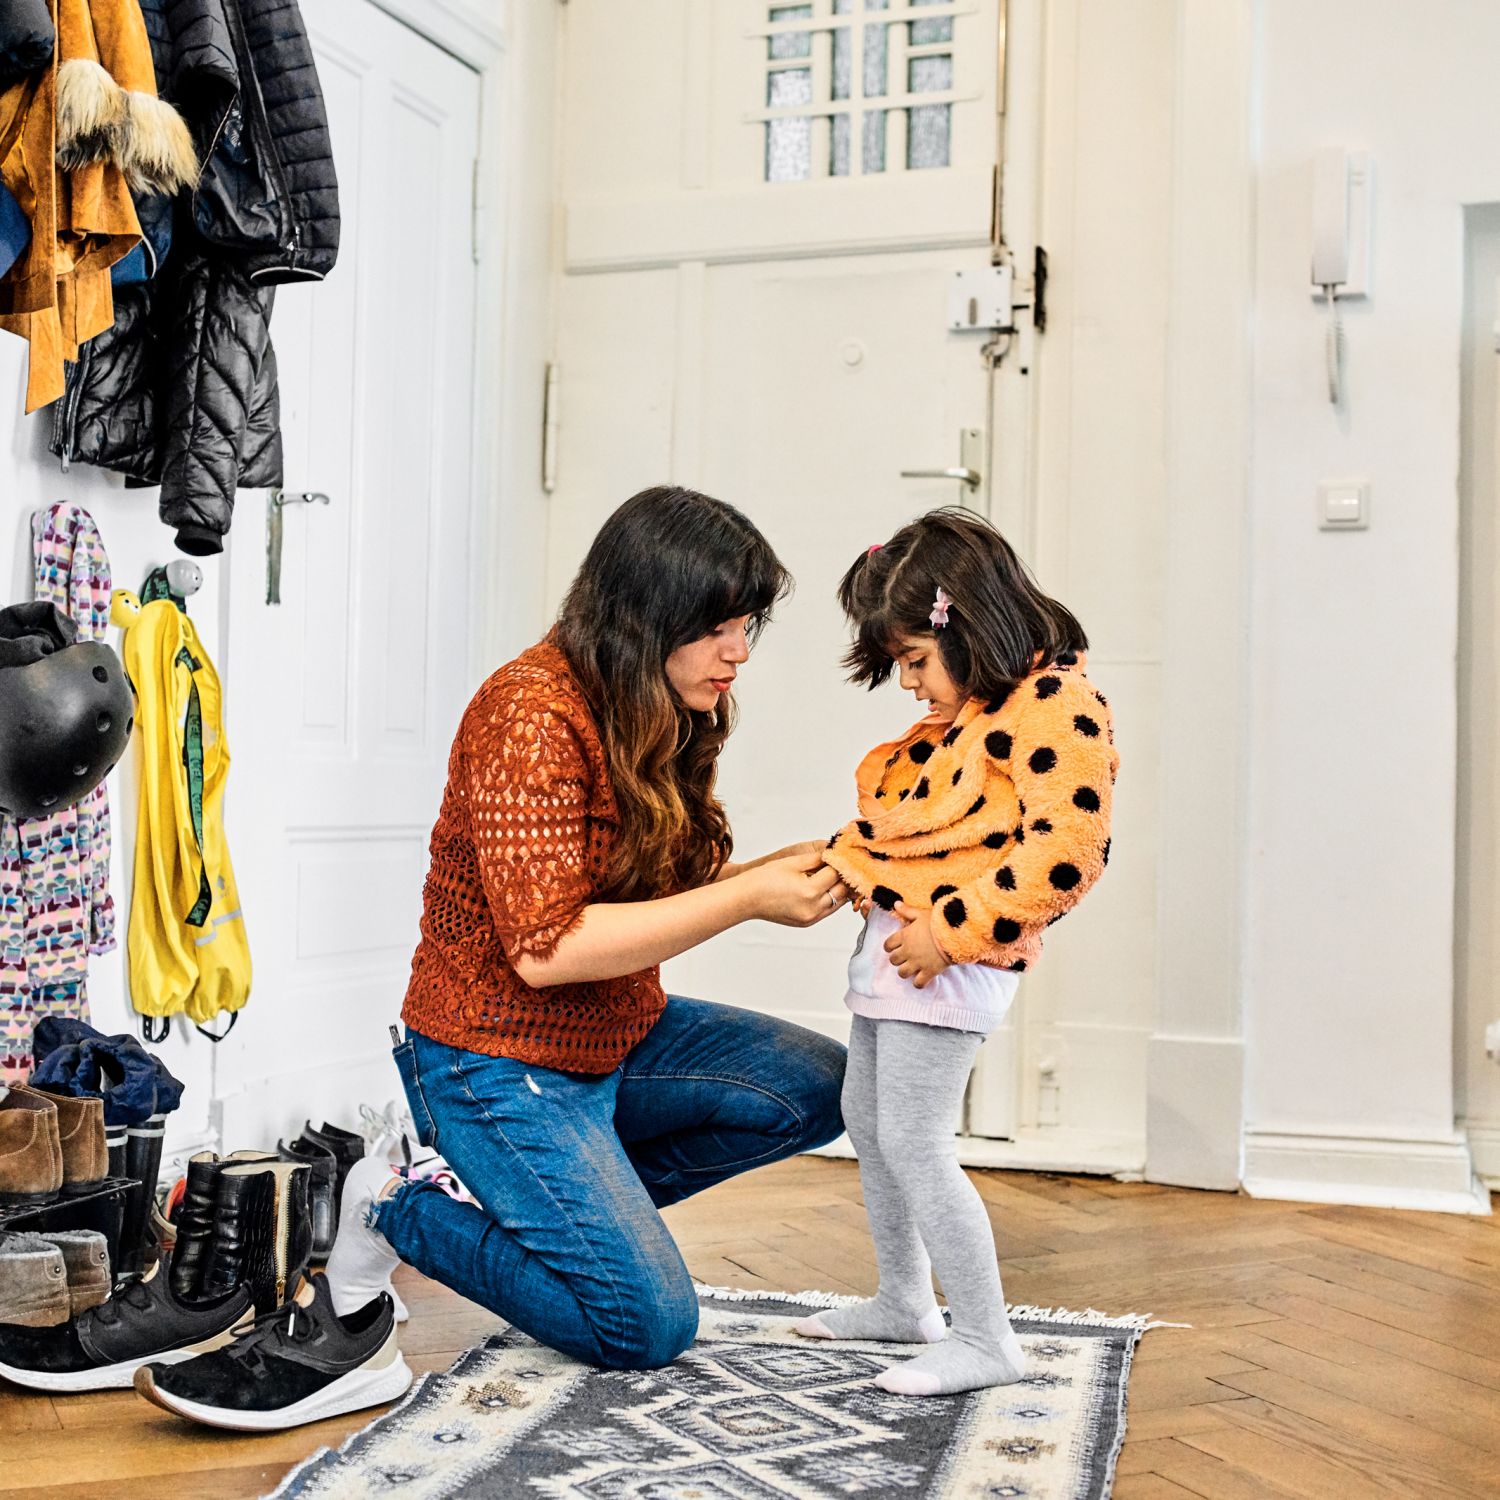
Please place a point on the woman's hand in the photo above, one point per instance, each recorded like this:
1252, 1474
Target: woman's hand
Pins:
913, 949
792, 851
798, 890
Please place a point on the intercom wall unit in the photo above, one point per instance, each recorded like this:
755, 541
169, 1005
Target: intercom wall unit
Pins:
1341, 194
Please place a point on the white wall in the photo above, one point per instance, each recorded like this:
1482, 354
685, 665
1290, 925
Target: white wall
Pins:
1349, 926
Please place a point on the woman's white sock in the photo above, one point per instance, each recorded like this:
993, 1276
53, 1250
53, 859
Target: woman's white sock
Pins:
360, 1265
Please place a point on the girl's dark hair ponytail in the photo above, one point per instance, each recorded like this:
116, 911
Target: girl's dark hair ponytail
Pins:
999, 621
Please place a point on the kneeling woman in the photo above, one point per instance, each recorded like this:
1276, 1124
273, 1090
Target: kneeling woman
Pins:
579, 845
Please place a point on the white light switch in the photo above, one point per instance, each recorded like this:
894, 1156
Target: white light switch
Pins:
1344, 505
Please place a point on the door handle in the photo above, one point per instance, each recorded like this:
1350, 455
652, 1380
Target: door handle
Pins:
969, 471
276, 503
971, 477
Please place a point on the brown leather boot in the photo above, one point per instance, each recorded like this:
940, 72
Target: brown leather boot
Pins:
30, 1148
80, 1131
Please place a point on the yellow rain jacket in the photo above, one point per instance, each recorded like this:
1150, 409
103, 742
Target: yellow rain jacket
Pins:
187, 944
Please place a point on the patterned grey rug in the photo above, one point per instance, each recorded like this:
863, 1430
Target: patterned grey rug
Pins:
750, 1412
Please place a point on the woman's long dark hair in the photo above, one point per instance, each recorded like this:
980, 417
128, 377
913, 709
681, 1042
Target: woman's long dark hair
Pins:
666, 569
999, 621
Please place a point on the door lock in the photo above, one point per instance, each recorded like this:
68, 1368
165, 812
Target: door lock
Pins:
276, 504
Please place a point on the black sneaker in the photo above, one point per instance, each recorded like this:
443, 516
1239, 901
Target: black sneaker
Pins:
102, 1348
294, 1365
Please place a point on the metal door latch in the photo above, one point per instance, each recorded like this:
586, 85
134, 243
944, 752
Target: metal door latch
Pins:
969, 471
276, 503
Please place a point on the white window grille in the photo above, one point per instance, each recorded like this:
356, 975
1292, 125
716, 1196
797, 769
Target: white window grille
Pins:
856, 87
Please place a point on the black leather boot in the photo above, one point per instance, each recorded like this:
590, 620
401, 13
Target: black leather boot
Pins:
274, 1244
322, 1191
224, 1261
347, 1148
195, 1226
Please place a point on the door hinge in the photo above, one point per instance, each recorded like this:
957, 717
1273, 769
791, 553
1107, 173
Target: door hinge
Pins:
551, 420
476, 211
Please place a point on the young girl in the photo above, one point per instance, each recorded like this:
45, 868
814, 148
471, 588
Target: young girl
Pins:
984, 823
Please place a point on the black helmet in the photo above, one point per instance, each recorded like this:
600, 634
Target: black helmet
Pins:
66, 711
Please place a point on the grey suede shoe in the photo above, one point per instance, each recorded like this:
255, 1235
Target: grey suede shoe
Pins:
85, 1254
33, 1282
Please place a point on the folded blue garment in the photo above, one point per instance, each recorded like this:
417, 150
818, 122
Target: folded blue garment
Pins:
15, 232
73, 1058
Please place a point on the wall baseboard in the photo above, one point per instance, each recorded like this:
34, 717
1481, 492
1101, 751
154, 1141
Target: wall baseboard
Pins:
1093, 1153
1484, 1146
1436, 1175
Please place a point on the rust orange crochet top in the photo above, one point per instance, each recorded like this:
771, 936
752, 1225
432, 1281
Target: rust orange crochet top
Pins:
527, 823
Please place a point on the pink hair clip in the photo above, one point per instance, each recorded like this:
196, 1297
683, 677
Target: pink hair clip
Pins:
939, 616
873, 548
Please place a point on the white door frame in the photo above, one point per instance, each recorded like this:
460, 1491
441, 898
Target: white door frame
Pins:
509, 537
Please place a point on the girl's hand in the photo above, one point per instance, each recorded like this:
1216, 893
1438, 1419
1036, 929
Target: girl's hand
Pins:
798, 891
913, 950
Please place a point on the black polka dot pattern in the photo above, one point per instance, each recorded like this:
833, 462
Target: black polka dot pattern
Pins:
998, 743
876, 854
922, 789
952, 735
996, 840
1019, 967
1086, 726
921, 752
884, 897
1006, 931
866, 830
1005, 878
978, 804
955, 913
1064, 876
1086, 798
958, 776
1107, 843
1042, 825
1042, 760
1048, 687
1018, 833
940, 891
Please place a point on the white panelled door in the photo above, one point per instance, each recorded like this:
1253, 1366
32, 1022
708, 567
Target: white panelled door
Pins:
766, 203
343, 699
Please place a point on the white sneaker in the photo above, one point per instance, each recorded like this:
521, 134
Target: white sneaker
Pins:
361, 1261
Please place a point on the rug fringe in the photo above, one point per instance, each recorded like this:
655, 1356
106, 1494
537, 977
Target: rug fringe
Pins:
1090, 1316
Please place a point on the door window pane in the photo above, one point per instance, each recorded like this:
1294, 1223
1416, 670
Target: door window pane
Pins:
789, 142
795, 43
928, 135
925, 32
930, 75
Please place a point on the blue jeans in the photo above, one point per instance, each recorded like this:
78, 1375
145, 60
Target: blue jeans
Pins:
569, 1170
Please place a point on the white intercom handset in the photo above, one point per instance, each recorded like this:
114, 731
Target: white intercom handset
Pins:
1340, 243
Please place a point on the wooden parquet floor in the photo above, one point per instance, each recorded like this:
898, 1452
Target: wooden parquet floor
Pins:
1334, 1353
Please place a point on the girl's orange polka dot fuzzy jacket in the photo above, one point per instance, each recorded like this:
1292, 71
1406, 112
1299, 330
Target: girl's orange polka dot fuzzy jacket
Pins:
997, 823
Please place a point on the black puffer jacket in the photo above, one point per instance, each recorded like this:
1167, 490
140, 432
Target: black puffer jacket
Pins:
181, 392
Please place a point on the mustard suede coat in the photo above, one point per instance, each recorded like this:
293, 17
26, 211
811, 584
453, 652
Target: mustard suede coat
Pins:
74, 137
997, 823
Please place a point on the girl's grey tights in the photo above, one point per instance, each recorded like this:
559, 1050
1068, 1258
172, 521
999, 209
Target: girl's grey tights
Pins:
903, 1090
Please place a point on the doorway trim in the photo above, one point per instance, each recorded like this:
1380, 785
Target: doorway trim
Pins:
507, 546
